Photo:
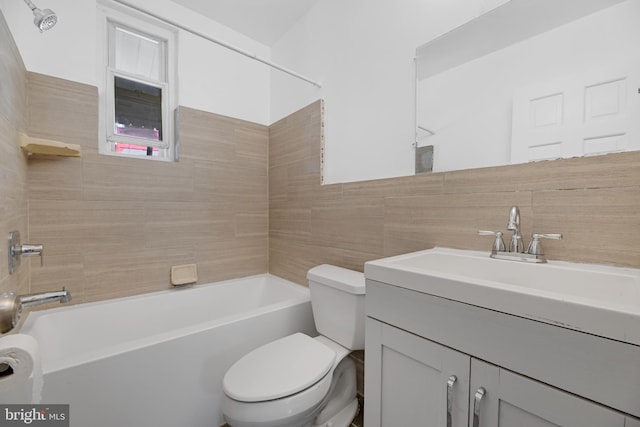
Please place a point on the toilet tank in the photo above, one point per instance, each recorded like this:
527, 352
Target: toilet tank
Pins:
337, 301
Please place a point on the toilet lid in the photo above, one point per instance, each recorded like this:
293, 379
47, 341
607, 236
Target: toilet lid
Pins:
278, 369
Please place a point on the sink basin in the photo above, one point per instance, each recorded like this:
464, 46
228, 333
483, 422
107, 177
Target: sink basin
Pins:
595, 299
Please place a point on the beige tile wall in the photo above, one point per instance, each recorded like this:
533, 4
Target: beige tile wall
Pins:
114, 226
594, 202
13, 164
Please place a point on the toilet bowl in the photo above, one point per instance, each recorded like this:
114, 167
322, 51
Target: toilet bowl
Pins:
300, 381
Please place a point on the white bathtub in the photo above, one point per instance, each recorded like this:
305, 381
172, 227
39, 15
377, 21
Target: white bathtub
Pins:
158, 359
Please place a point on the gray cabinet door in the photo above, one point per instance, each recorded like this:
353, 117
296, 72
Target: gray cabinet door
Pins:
631, 422
410, 381
513, 400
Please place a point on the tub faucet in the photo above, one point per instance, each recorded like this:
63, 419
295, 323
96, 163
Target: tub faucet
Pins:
516, 244
17, 250
31, 300
11, 305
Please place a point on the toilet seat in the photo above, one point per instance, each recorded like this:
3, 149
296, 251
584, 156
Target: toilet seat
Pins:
279, 369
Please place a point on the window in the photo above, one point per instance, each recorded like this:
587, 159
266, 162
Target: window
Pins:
138, 94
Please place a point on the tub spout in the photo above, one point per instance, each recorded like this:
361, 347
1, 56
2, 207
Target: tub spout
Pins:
37, 299
11, 305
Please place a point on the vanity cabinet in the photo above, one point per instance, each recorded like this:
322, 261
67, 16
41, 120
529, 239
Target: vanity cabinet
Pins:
423, 383
428, 357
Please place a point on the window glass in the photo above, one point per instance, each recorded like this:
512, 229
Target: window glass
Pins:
138, 54
138, 108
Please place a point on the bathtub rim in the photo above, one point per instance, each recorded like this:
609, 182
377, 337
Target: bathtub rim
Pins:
195, 287
301, 295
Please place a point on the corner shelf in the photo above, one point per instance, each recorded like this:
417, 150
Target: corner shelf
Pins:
47, 147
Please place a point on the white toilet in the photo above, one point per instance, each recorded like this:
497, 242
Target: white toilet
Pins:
299, 381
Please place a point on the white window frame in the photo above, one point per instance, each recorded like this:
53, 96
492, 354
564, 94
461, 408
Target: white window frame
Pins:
108, 18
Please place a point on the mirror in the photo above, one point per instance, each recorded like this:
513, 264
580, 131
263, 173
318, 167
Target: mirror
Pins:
529, 81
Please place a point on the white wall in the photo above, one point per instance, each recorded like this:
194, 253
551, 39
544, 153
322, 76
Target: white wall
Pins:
211, 78
363, 53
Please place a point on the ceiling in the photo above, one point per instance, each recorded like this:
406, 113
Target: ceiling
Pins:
262, 20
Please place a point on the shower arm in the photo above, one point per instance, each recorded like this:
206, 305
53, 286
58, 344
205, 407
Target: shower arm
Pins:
31, 5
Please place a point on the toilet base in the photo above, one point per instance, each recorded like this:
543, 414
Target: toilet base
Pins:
342, 418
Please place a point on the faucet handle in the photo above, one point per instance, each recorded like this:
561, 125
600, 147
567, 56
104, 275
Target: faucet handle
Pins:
535, 247
498, 243
32, 250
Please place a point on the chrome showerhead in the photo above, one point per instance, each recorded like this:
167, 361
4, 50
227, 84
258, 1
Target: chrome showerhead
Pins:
43, 19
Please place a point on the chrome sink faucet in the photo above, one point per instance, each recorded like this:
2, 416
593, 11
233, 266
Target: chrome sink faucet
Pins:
516, 244
534, 252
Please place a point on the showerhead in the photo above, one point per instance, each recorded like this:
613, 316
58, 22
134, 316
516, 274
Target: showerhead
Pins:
43, 19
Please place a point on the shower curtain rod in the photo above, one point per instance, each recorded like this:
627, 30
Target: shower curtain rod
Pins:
221, 43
